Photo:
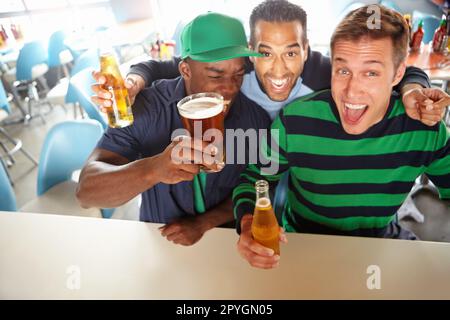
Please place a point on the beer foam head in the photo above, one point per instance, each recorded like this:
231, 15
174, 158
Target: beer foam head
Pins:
200, 108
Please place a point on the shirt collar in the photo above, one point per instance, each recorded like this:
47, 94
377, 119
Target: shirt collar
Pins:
179, 92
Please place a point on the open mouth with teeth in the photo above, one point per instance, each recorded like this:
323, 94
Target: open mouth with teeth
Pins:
353, 113
279, 85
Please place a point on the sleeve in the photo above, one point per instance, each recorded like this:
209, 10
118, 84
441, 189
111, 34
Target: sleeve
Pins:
153, 70
439, 169
271, 165
414, 75
128, 141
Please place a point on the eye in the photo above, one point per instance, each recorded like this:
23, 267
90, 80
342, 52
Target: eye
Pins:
265, 54
292, 54
343, 72
372, 74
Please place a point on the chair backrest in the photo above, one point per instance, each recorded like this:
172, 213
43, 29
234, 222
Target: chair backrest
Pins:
32, 54
390, 4
89, 59
350, 7
7, 197
4, 103
177, 36
280, 197
66, 149
430, 24
82, 82
55, 47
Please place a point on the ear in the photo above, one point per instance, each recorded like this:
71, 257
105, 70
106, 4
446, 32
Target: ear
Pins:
252, 59
399, 73
185, 70
306, 47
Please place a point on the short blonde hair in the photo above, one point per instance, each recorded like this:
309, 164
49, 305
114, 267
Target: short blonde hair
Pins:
392, 25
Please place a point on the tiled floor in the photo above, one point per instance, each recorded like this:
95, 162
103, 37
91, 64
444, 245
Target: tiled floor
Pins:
437, 214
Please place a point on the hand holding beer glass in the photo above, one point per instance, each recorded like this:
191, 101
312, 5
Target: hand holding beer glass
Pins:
203, 117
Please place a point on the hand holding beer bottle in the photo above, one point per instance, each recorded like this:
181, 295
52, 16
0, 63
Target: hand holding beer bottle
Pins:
260, 232
103, 98
119, 115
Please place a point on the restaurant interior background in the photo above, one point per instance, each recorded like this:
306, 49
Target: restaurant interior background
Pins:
63, 30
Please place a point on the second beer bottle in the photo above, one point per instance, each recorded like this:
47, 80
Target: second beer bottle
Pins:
119, 114
265, 228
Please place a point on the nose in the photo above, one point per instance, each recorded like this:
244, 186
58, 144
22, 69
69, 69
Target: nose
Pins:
279, 67
353, 87
229, 88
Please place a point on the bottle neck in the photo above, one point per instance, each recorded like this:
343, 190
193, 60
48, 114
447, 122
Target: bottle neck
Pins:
262, 194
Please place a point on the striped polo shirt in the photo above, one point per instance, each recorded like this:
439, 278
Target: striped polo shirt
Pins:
341, 183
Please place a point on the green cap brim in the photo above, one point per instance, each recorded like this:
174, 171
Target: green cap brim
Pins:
223, 54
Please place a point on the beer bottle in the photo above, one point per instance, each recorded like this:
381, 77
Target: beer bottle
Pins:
265, 228
119, 114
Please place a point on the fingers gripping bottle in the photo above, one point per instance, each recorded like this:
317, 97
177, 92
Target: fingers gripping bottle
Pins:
265, 228
120, 114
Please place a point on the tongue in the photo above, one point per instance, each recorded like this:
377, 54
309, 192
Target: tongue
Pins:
354, 115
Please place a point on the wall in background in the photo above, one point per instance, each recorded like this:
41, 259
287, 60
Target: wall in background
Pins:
130, 10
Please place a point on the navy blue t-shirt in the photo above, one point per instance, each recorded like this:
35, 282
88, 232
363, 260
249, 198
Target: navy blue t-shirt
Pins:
155, 118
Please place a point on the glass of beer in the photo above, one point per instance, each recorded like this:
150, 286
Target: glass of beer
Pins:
119, 114
203, 117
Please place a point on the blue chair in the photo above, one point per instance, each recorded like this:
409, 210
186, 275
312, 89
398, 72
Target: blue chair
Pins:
82, 82
177, 37
7, 197
430, 24
31, 55
89, 59
5, 111
58, 53
64, 92
391, 5
352, 6
66, 148
280, 197
31, 66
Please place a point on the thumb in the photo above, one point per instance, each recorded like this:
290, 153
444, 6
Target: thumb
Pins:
442, 103
130, 83
419, 97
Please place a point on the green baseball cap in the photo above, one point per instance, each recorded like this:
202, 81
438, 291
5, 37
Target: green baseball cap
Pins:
214, 37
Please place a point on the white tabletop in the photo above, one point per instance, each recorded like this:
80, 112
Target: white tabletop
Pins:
50, 256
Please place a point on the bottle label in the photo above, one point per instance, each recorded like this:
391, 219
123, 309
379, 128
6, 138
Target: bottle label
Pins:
114, 103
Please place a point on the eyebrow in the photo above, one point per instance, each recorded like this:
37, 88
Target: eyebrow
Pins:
365, 62
292, 45
220, 71
215, 70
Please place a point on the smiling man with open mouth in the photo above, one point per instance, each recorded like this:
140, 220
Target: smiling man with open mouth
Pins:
363, 74
352, 154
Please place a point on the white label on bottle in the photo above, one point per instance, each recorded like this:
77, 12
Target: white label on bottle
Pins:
114, 103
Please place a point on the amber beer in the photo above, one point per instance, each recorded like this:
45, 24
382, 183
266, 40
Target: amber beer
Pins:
204, 111
119, 115
265, 228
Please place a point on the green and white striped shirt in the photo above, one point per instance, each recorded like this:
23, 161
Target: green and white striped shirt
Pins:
351, 184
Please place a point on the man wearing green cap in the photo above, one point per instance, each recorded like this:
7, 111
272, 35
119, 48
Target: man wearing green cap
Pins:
138, 159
